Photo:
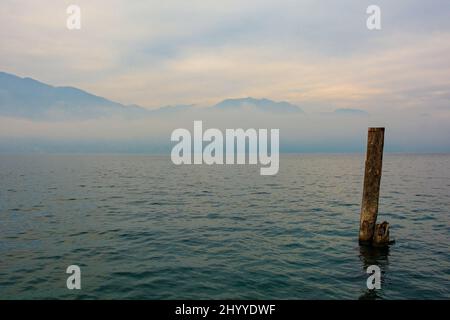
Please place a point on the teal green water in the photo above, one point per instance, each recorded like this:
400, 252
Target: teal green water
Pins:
142, 228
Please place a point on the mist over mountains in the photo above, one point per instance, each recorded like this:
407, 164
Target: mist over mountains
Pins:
37, 117
32, 99
29, 98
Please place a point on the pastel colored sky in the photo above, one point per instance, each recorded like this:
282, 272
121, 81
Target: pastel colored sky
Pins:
313, 53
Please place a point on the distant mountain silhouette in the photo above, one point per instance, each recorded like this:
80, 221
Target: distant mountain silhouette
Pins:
257, 104
28, 98
32, 99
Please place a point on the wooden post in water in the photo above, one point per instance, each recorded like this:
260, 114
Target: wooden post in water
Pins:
371, 191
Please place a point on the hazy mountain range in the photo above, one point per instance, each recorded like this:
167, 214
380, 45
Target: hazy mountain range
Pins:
37, 117
29, 98
259, 104
32, 99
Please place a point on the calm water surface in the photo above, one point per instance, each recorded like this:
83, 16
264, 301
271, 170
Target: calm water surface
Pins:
142, 228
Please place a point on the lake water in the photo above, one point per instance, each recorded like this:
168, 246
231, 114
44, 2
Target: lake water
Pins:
142, 228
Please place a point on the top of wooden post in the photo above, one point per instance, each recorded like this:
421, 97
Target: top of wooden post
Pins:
376, 129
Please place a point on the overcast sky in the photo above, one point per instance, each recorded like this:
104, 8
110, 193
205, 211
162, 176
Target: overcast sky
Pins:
314, 53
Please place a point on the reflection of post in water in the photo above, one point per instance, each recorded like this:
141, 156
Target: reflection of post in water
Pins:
379, 256
373, 237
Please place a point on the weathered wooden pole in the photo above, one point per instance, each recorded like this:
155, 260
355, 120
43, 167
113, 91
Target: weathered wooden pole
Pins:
371, 191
